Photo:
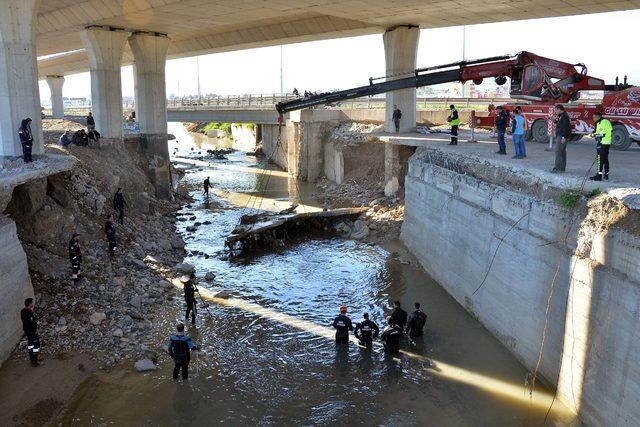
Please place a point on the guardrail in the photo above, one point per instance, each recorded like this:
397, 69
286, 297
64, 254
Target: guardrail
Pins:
268, 102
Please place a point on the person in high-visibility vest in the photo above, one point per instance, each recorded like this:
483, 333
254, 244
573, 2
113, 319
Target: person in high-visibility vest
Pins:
602, 133
454, 121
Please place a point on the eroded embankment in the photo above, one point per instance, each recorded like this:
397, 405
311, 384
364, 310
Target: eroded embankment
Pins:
501, 243
109, 315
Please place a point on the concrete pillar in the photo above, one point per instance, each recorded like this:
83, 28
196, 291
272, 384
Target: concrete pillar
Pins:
57, 104
396, 165
19, 93
401, 52
150, 54
104, 48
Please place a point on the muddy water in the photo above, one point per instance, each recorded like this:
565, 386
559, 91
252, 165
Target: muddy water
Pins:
267, 357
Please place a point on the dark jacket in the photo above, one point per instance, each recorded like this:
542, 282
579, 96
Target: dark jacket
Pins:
189, 292
397, 115
75, 255
29, 323
366, 330
399, 317
502, 119
391, 339
416, 323
110, 229
563, 125
24, 132
342, 324
90, 121
118, 201
180, 347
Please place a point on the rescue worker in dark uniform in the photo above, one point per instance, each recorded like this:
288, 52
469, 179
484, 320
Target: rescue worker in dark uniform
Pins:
366, 331
454, 121
207, 185
91, 123
342, 324
397, 115
30, 328
391, 337
26, 139
416, 322
110, 230
399, 316
118, 204
190, 298
180, 347
602, 132
502, 120
75, 257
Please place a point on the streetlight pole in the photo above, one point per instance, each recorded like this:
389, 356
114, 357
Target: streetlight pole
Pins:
281, 78
198, 74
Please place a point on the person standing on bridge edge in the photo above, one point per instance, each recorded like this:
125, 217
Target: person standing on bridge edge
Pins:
207, 185
397, 115
398, 315
518, 129
91, 123
416, 322
602, 133
30, 328
180, 347
563, 132
75, 257
26, 139
502, 119
110, 231
454, 121
190, 298
366, 331
342, 324
391, 337
119, 203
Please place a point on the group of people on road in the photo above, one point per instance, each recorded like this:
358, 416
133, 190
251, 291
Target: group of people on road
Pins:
366, 331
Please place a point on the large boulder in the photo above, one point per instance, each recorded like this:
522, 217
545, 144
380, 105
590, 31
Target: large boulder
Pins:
144, 365
186, 268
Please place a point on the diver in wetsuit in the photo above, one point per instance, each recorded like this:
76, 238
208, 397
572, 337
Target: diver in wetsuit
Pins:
391, 337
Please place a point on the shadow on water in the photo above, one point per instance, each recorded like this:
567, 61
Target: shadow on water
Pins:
268, 357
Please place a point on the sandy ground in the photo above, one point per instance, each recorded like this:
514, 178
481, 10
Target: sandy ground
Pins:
33, 396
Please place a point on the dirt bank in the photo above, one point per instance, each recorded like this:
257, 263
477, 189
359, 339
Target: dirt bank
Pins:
110, 315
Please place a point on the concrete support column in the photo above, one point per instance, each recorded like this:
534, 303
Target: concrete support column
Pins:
396, 166
19, 93
401, 52
104, 48
57, 105
150, 54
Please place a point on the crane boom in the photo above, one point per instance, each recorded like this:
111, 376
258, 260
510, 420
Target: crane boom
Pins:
532, 77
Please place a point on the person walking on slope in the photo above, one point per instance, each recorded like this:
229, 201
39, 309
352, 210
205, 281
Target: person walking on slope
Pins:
342, 324
30, 328
75, 257
118, 204
26, 139
180, 347
502, 120
454, 121
416, 322
518, 128
207, 185
110, 230
391, 337
190, 298
602, 133
366, 331
397, 115
563, 132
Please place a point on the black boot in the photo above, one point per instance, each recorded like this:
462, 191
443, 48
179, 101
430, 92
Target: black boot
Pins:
606, 177
597, 177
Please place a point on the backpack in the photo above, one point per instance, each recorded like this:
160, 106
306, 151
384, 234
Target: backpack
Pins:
421, 320
180, 349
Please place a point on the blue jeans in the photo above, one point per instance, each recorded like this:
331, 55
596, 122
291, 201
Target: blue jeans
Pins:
518, 145
501, 144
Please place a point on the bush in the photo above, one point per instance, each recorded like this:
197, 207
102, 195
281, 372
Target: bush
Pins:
595, 192
226, 127
569, 198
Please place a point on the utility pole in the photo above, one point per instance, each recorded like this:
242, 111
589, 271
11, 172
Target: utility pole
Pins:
198, 74
281, 78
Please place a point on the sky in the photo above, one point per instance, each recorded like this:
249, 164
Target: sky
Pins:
604, 42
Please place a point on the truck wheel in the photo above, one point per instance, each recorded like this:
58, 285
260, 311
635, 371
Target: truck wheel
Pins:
539, 131
620, 139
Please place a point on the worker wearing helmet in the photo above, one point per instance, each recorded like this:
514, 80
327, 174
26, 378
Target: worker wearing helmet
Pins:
342, 325
602, 134
454, 121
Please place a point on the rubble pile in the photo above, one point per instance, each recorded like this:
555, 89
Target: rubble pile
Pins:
352, 133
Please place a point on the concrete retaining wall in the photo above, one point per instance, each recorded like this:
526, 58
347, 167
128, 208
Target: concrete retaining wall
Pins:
453, 224
270, 141
424, 117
